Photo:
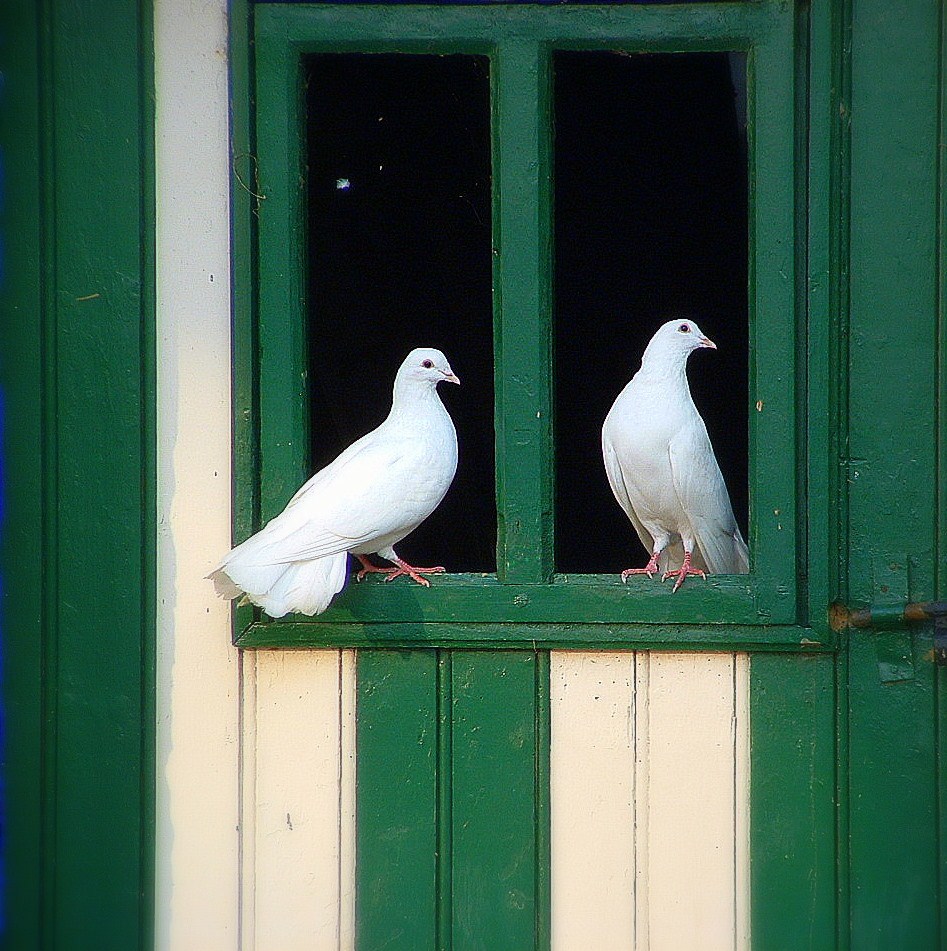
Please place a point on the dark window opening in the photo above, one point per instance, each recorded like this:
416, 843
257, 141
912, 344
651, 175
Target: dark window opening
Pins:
399, 247
651, 224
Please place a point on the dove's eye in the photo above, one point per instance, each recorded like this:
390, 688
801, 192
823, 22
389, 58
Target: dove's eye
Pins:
684, 329
427, 364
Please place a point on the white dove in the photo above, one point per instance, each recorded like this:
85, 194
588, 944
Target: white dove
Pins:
369, 498
662, 468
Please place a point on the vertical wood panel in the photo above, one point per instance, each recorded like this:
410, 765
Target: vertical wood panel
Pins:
792, 704
21, 486
198, 670
298, 769
895, 144
592, 779
347, 780
494, 801
98, 404
396, 802
689, 726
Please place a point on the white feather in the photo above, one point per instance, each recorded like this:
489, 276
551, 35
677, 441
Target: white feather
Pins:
370, 497
661, 466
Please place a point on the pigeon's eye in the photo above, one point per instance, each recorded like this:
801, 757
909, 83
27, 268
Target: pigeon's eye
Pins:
684, 329
427, 364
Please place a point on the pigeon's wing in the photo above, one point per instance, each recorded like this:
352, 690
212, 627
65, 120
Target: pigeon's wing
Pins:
702, 492
616, 480
343, 506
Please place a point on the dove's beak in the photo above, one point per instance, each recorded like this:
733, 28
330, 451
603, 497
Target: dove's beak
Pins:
452, 378
707, 342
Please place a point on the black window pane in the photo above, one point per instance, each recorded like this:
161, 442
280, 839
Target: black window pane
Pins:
651, 224
400, 256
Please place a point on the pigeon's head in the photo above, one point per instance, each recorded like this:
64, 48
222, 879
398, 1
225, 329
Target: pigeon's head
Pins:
676, 339
426, 365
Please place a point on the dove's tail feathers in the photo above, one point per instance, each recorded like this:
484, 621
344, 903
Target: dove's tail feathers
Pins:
724, 553
302, 587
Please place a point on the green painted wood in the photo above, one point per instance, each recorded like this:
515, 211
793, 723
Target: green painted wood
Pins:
717, 601
891, 463
80, 313
396, 800
280, 220
688, 26
792, 812
892, 794
522, 300
495, 754
518, 42
527, 637
21, 429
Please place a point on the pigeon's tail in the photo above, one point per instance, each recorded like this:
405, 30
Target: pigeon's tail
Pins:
724, 553
303, 587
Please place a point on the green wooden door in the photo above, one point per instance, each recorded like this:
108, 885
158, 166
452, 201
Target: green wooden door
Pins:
453, 802
453, 691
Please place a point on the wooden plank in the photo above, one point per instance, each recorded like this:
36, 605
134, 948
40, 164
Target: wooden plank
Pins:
22, 486
891, 463
523, 310
792, 716
99, 402
298, 816
892, 801
592, 775
347, 778
494, 801
686, 734
396, 803
203, 689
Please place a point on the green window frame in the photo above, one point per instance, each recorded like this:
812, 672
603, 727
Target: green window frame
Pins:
526, 602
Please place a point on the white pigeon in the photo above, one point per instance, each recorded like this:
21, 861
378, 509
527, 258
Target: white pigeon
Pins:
662, 468
369, 498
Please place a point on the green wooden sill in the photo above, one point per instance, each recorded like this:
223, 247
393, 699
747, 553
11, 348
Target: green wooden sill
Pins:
579, 611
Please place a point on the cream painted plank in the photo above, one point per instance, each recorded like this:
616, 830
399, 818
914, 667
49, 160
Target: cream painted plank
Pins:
198, 677
686, 804
741, 791
592, 792
247, 855
298, 770
347, 805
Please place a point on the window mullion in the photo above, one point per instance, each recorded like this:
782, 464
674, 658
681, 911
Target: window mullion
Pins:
523, 310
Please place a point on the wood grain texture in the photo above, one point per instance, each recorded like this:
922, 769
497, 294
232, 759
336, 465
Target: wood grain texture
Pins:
650, 793
687, 725
592, 774
297, 894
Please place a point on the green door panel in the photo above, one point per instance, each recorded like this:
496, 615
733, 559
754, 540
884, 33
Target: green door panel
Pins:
397, 808
79, 562
792, 809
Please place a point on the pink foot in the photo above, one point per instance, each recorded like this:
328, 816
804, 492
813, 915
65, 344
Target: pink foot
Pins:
682, 572
403, 568
650, 569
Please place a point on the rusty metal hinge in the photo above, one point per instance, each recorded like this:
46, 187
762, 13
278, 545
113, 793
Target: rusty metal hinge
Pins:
891, 616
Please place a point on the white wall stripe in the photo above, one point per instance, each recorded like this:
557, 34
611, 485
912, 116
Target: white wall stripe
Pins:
649, 781
690, 782
298, 739
197, 669
592, 787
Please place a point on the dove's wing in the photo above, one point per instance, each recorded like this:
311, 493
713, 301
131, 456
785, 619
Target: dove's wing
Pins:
616, 480
702, 492
347, 504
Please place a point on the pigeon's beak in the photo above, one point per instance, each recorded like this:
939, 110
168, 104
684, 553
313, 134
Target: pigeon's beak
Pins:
707, 342
452, 378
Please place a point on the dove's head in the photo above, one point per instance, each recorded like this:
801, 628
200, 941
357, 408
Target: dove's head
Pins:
675, 340
425, 365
